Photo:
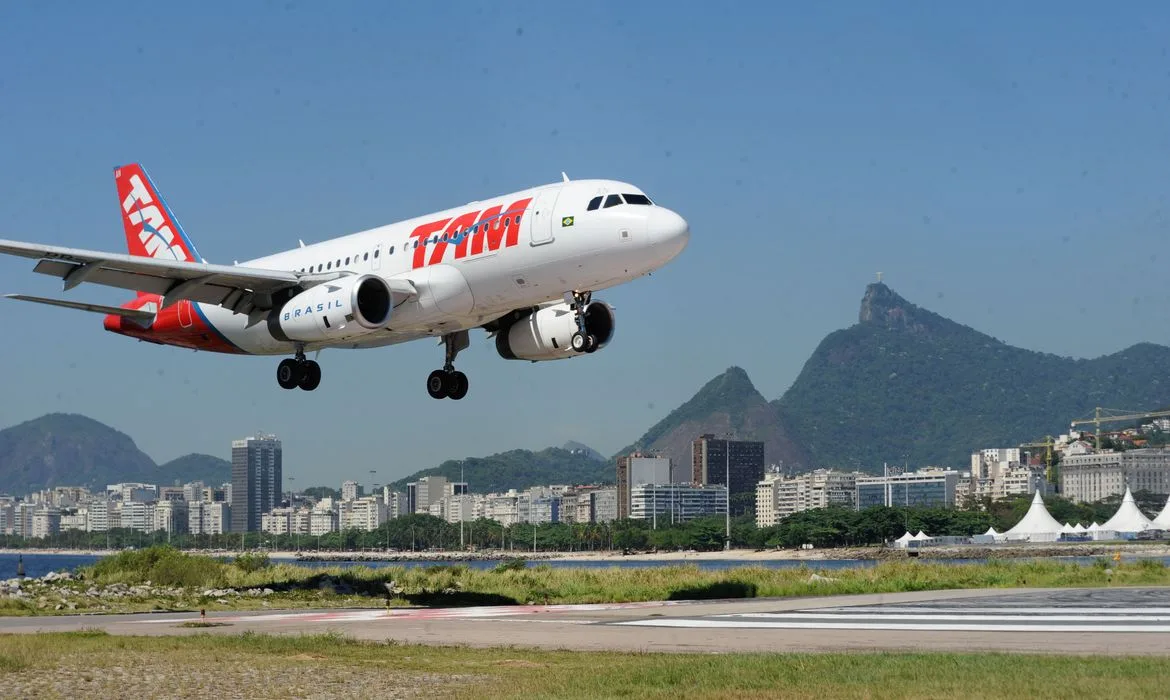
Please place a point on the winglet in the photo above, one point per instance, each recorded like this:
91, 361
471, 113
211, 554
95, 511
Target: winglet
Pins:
563, 175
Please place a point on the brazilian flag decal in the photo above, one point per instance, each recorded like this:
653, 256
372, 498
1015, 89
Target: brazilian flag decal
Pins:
566, 221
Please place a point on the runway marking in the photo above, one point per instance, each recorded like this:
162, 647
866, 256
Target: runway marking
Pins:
1006, 609
479, 612
1004, 617
889, 626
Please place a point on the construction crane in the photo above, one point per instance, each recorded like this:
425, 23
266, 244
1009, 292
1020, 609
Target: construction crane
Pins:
1051, 473
1122, 415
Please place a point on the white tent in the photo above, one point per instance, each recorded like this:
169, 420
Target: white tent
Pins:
1128, 519
1037, 525
1094, 527
1067, 528
922, 536
991, 532
1163, 520
1078, 528
901, 541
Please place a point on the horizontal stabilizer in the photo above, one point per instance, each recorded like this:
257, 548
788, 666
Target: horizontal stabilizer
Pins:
134, 314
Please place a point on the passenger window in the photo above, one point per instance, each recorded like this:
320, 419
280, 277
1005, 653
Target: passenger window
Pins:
613, 200
636, 199
365, 256
329, 266
594, 203
391, 250
339, 263
517, 219
375, 252
347, 261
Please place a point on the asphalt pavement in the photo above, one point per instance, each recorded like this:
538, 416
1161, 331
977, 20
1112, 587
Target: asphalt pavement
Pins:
1068, 621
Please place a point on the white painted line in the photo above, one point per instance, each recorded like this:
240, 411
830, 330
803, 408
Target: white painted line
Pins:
908, 627
993, 609
954, 618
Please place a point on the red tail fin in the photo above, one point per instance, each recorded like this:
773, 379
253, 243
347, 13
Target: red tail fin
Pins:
152, 231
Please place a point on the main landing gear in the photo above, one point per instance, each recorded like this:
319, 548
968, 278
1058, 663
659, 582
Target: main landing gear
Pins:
448, 383
582, 341
298, 372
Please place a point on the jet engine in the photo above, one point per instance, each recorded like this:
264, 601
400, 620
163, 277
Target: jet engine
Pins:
338, 309
547, 333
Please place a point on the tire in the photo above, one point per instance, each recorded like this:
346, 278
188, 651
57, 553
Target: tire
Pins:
310, 375
288, 374
437, 384
590, 343
457, 386
579, 342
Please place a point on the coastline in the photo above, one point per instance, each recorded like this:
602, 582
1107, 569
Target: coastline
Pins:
1002, 551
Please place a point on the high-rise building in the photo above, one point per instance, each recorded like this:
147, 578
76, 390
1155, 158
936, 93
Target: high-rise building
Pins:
665, 504
713, 461
256, 480
637, 469
349, 490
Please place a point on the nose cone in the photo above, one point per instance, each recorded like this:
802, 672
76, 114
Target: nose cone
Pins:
669, 232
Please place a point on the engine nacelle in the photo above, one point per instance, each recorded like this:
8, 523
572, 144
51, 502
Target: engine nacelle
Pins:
338, 309
546, 334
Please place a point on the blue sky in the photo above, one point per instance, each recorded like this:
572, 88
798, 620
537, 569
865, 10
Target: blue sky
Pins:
1006, 166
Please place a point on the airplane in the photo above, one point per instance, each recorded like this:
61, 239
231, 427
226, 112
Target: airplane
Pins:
521, 266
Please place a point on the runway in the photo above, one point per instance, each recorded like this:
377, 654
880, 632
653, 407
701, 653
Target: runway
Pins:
1071, 621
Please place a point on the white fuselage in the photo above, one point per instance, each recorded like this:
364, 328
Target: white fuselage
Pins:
474, 264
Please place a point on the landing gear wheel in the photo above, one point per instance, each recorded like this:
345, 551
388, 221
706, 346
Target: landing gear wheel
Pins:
437, 384
590, 343
456, 385
310, 375
288, 374
580, 342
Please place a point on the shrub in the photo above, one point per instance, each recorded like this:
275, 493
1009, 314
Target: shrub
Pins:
510, 565
249, 563
161, 565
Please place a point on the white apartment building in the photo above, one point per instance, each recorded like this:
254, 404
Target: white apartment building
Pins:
77, 520
349, 490
665, 504
366, 513
46, 521
206, 518
322, 522
171, 516
777, 496
1085, 478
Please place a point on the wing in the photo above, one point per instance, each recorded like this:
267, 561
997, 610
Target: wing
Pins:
139, 315
238, 288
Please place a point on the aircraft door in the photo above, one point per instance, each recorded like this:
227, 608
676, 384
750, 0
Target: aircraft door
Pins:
541, 222
185, 314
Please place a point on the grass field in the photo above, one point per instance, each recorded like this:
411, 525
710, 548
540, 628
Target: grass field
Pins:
66, 665
169, 580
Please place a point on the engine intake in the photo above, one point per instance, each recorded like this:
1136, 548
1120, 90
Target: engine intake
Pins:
546, 334
341, 308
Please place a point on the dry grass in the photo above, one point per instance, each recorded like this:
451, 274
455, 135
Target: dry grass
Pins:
65, 665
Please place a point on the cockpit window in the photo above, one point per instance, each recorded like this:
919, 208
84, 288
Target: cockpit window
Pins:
637, 199
612, 200
594, 203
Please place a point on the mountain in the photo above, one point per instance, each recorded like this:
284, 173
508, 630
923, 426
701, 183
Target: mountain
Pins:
212, 471
63, 449
519, 469
905, 384
727, 403
574, 446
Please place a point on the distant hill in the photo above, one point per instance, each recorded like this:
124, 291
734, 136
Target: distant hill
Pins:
520, 469
727, 403
63, 449
908, 385
212, 471
574, 446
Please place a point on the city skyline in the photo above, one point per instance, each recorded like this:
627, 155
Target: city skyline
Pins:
941, 145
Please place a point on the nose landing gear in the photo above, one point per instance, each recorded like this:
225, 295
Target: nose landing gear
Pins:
582, 341
449, 383
298, 372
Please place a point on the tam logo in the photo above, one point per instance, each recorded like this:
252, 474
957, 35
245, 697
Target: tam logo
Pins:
471, 233
154, 231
